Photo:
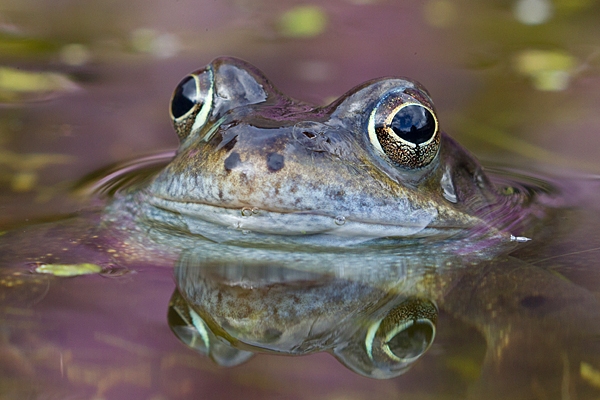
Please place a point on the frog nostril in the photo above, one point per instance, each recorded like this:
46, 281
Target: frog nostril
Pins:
309, 135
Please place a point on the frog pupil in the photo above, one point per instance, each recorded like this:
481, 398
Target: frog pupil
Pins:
414, 123
413, 341
185, 97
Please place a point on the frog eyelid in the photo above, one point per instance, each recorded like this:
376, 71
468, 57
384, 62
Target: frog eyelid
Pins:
204, 112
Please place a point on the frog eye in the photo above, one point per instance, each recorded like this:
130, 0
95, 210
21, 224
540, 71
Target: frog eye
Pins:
404, 130
191, 329
184, 98
391, 339
404, 334
191, 102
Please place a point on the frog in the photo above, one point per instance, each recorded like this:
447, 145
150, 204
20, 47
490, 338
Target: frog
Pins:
257, 167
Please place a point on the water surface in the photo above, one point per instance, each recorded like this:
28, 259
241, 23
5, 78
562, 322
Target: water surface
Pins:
521, 96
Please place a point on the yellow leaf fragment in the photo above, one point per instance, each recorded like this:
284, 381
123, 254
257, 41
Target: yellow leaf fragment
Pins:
549, 70
466, 367
15, 84
68, 269
589, 374
303, 21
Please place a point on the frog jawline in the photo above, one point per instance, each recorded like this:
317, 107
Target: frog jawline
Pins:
222, 225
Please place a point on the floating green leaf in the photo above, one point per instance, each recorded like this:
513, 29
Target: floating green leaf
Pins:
303, 21
549, 70
68, 269
17, 85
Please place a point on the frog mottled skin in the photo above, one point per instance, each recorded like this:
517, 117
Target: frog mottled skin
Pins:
256, 166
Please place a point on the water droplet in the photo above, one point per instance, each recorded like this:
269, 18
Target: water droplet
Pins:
448, 190
255, 210
519, 239
479, 180
246, 212
339, 220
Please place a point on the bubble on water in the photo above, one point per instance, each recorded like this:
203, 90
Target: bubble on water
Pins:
246, 212
255, 210
339, 220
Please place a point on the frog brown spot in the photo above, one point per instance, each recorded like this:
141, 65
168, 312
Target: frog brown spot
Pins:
271, 335
229, 143
336, 194
232, 161
275, 162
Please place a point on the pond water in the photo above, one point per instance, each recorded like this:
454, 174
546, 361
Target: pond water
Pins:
84, 96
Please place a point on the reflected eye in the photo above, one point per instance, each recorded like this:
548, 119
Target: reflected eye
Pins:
404, 334
191, 329
191, 102
411, 340
404, 130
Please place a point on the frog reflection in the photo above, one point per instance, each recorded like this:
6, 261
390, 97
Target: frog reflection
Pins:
229, 311
377, 314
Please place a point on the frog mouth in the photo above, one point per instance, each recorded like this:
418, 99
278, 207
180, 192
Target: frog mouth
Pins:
254, 225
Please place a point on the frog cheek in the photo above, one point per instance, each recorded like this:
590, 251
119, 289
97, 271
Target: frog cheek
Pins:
192, 102
389, 346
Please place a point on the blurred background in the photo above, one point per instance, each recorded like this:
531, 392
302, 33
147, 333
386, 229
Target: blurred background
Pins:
84, 84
